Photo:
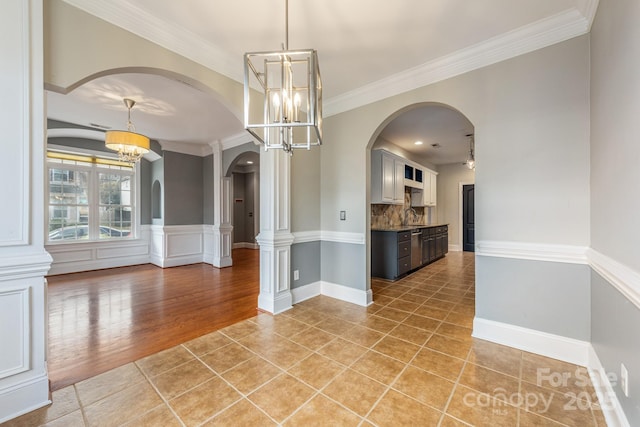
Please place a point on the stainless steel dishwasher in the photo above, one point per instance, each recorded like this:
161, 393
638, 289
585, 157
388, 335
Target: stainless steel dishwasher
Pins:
416, 248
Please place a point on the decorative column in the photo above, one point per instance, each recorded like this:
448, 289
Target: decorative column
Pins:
275, 236
221, 211
24, 385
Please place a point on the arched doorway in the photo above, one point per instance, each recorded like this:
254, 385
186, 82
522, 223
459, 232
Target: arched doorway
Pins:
418, 169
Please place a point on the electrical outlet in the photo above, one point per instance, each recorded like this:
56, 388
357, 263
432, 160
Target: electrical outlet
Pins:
296, 274
624, 379
343, 215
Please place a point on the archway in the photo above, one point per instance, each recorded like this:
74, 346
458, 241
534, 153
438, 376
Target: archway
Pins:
244, 173
430, 143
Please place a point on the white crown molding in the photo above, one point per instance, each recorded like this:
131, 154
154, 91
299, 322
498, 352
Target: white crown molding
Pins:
623, 278
75, 133
539, 34
532, 251
200, 150
545, 32
588, 8
238, 139
126, 15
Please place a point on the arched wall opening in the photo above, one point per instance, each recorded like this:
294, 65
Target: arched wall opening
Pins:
244, 172
430, 196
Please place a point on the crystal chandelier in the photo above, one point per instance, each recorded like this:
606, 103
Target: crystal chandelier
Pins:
288, 86
131, 146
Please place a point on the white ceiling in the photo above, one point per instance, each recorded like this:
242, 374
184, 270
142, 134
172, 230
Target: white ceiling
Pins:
367, 51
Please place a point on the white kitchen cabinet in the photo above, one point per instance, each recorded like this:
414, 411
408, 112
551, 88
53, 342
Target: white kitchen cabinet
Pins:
387, 178
428, 195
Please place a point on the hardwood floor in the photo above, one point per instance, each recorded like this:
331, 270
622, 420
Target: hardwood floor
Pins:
103, 319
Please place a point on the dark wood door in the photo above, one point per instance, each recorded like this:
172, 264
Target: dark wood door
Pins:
468, 223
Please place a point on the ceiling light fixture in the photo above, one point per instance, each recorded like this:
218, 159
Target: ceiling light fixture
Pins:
288, 86
131, 146
418, 143
471, 161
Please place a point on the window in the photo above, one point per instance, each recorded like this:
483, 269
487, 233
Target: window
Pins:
90, 198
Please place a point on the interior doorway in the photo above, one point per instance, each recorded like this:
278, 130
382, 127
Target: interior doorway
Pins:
468, 221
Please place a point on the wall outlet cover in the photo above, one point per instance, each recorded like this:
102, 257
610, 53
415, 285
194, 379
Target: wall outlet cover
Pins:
296, 274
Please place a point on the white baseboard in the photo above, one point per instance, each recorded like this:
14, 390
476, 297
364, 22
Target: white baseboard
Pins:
549, 345
24, 397
557, 347
332, 290
611, 408
176, 261
307, 291
454, 248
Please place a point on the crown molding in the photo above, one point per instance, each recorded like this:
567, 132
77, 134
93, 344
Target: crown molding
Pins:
193, 149
126, 15
537, 35
96, 135
545, 32
238, 139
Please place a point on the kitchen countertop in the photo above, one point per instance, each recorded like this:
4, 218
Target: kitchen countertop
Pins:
407, 227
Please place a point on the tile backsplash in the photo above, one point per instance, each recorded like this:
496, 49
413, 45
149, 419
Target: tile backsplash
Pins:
383, 216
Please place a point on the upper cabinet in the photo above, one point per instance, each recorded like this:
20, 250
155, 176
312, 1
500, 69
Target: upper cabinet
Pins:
387, 178
413, 176
426, 196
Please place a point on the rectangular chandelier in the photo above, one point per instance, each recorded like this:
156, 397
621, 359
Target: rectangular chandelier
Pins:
288, 86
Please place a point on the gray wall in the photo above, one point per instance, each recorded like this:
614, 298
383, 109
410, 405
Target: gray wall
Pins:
531, 121
207, 190
550, 297
144, 170
448, 207
615, 151
183, 189
340, 263
157, 174
615, 335
305, 258
305, 190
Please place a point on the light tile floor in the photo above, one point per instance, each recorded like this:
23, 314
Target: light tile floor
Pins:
406, 360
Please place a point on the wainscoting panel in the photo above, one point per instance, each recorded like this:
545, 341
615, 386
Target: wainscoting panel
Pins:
15, 311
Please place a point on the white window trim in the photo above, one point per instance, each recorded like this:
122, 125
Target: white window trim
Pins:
94, 204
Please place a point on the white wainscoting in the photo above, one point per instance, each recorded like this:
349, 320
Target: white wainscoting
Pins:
15, 310
74, 257
174, 245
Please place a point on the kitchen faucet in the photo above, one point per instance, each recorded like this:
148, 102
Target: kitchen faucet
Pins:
406, 217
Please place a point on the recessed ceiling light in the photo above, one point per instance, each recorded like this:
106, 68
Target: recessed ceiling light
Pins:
249, 162
418, 143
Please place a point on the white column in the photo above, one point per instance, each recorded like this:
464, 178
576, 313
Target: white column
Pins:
275, 236
24, 384
221, 211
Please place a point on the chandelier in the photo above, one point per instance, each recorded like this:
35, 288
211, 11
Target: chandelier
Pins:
288, 86
471, 160
131, 146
